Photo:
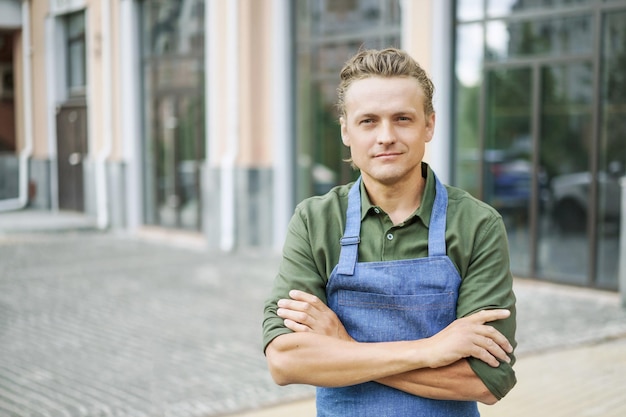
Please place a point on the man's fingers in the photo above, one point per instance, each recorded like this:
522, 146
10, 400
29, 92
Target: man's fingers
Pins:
301, 301
485, 356
486, 316
295, 305
295, 326
304, 296
498, 343
297, 316
492, 346
495, 350
498, 338
300, 312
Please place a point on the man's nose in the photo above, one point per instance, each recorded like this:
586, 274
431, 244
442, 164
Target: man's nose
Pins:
386, 134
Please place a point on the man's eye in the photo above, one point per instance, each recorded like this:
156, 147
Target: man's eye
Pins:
366, 121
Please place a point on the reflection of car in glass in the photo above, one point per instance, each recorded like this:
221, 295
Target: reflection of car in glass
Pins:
507, 181
570, 196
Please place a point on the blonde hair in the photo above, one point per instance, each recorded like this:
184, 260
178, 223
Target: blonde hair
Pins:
389, 62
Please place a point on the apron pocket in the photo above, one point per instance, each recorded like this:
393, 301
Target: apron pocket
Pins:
371, 317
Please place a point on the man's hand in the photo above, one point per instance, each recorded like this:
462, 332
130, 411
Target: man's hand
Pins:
307, 313
470, 336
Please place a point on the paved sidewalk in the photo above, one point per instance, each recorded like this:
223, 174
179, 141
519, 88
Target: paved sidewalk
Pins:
105, 324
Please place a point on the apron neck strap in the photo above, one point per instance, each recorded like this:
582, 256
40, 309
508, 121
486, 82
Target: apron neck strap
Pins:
350, 240
437, 226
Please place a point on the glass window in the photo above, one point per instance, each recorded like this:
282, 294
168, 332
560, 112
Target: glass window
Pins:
564, 151
344, 16
542, 103
612, 154
329, 33
173, 85
76, 54
505, 7
470, 9
508, 168
469, 59
554, 37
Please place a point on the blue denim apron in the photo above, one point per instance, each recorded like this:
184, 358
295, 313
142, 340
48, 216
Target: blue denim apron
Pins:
391, 301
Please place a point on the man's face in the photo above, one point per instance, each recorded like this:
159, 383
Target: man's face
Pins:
386, 128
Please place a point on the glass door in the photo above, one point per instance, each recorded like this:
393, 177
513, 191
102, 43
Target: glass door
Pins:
565, 149
177, 145
536, 165
173, 90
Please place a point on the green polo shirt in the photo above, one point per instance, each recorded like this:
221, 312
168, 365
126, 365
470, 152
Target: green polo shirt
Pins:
476, 243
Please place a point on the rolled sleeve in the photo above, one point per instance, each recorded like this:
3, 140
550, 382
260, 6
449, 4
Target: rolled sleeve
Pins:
489, 285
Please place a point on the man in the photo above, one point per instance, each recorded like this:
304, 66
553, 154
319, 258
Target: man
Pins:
394, 295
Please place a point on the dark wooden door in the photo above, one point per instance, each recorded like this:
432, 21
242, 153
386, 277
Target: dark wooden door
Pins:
71, 150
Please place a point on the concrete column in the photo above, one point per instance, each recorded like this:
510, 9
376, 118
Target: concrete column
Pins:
282, 121
129, 102
622, 245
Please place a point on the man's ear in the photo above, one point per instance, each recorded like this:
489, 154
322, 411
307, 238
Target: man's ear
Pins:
430, 126
344, 131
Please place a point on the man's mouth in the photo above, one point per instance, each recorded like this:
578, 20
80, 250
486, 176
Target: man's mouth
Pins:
386, 154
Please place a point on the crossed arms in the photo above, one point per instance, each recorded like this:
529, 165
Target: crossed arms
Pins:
320, 352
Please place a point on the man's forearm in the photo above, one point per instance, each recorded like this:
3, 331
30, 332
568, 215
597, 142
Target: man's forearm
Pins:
320, 352
453, 382
308, 358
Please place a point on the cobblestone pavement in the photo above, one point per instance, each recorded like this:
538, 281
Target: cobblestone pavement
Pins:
102, 324
99, 325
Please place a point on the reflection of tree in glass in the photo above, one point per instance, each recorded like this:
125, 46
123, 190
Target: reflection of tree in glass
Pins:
468, 115
531, 40
565, 119
508, 112
328, 152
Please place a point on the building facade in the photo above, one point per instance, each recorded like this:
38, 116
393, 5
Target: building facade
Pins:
215, 117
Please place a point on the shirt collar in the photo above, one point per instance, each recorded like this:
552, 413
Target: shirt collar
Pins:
426, 206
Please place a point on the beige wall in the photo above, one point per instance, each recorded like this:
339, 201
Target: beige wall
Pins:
94, 75
39, 11
256, 83
97, 34
417, 32
255, 65
417, 19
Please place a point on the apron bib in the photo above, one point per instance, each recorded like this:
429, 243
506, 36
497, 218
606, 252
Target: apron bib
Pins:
392, 301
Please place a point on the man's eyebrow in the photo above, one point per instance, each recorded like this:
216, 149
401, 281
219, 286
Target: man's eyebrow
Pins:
406, 111
365, 115
368, 114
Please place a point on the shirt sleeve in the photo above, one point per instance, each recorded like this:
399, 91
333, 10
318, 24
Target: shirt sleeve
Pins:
488, 285
298, 270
